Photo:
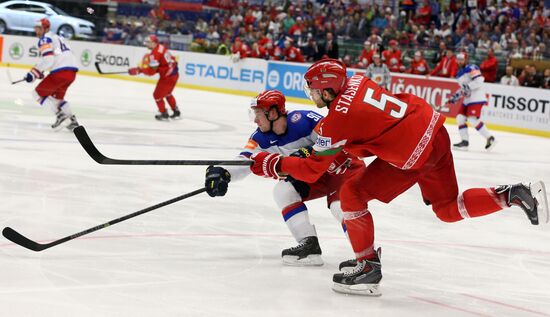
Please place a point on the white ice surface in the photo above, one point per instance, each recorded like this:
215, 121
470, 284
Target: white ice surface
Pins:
221, 257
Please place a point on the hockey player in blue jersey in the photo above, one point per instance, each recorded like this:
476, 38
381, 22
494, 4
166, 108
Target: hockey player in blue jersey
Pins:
470, 80
289, 133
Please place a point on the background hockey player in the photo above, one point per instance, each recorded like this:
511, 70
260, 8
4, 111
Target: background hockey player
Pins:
289, 133
56, 56
470, 80
411, 145
378, 72
160, 61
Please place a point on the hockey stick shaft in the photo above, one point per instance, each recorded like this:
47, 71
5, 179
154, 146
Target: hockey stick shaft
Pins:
107, 73
25, 242
17, 81
91, 149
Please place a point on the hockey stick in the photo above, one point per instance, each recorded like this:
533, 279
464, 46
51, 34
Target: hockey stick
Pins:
25, 242
94, 153
9, 76
107, 73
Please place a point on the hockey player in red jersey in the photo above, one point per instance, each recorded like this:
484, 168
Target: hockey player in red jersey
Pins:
289, 133
56, 56
160, 61
411, 145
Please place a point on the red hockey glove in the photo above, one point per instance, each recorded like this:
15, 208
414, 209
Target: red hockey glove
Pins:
266, 164
134, 71
339, 165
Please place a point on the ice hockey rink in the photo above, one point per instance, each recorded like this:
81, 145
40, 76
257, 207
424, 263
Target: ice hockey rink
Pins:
220, 256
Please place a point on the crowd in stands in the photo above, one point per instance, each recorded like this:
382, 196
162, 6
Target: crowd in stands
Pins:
418, 37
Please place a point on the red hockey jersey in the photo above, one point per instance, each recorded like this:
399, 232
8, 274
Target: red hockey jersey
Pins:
368, 120
160, 61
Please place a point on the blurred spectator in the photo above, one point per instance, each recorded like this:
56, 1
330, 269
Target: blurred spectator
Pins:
330, 47
424, 13
489, 67
378, 72
365, 59
530, 77
440, 53
392, 57
546, 80
291, 53
240, 49
310, 50
419, 66
447, 67
509, 78
539, 52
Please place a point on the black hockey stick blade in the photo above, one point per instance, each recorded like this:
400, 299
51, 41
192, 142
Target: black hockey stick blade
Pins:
93, 152
107, 73
25, 242
21, 240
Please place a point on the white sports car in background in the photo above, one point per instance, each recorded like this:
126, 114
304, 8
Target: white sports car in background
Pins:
21, 15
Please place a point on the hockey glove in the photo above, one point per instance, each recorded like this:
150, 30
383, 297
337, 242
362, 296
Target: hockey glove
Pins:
216, 181
303, 152
266, 164
301, 187
339, 165
456, 97
33, 74
466, 91
134, 71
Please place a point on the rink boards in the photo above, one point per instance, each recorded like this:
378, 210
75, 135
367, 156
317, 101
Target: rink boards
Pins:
515, 109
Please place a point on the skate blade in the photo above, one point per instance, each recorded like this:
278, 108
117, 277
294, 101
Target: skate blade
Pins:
310, 260
65, 123
359, 289
491, 146
464, 149
538, 190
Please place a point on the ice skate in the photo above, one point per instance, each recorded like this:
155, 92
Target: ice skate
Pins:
490, 143
349, 265
60, 118
532, 199
364, 279
162, 116
176, 115
462, 145
307, 253
73, 123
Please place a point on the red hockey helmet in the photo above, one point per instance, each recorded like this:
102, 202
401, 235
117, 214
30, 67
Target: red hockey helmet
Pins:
152, 38
324, 74
268, 99
43, 23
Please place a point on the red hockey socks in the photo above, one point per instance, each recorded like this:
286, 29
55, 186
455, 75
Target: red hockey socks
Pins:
360, 227
171, 101
474, 202
160, 105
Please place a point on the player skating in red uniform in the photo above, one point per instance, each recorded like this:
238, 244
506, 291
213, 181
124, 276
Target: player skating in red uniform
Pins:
289, 133
56, 56
160, 61
411, 145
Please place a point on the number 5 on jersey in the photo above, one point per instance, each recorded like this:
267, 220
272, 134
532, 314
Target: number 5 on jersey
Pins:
384, 99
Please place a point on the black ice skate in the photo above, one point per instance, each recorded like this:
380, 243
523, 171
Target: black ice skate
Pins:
73, 123
362, 280
162, 116
490, 143
307, 253
60, 118
349, 265
531, 199
176, 115
462, 145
